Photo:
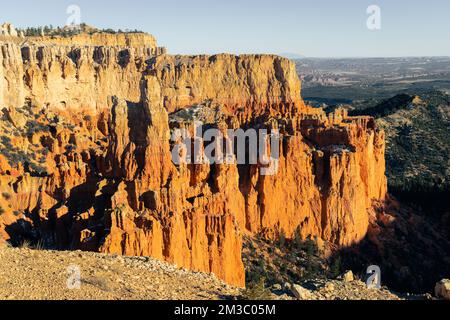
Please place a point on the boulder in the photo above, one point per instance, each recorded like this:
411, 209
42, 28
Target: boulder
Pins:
301, 293
277, 287
329, 287
348, 276
442, 289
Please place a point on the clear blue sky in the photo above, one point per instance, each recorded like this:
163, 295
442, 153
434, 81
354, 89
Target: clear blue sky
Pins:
320, 28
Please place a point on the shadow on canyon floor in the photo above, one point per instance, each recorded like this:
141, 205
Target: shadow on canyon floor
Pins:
409, 249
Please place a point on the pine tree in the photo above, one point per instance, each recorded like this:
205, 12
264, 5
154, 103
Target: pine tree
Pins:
335, 269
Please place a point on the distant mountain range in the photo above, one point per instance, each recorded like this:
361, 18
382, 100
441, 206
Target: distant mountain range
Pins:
292, 56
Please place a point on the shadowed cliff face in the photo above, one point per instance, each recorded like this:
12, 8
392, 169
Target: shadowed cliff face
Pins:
86, 160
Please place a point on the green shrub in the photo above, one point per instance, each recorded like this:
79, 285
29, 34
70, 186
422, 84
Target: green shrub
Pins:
312, 267
6, 195
336, 267
282, 239
311, 247
257, 291
298, 238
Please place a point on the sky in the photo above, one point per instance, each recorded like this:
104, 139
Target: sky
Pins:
314, 28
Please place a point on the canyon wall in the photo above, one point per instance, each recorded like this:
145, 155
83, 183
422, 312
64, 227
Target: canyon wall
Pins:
86, 155
71, 77
133, 40
227, 79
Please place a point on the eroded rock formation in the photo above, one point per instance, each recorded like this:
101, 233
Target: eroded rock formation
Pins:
86, 154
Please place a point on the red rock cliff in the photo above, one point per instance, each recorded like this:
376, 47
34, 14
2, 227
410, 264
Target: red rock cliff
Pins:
99, 116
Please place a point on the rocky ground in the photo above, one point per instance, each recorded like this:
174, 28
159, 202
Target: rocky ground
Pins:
298, 269
43, 275
341, 289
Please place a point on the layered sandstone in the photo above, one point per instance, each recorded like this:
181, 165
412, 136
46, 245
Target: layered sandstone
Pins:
227, 79
99, 39
71, 77
102, 116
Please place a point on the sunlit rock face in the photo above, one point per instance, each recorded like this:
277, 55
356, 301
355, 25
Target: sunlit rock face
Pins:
86, 159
